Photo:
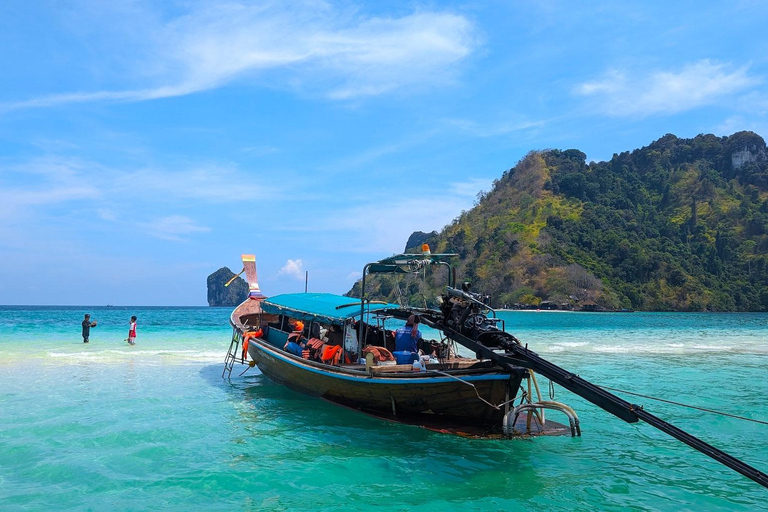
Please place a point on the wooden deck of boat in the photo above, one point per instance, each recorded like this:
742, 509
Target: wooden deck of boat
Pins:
451, 364
455, 364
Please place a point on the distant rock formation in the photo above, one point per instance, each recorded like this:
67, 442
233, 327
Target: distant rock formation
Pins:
232, 295
419, 237
747, 147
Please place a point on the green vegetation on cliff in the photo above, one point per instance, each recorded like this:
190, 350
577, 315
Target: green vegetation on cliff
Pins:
681, 224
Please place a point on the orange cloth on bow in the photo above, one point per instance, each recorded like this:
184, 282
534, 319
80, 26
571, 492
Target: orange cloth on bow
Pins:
247, 337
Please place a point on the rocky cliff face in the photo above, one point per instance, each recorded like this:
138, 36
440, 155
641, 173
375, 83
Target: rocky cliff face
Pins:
419, 237
747, 147
232, 295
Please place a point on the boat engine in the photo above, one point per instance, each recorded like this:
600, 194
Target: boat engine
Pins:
467, 313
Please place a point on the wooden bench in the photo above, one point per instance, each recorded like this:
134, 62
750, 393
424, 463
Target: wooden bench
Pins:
451, 364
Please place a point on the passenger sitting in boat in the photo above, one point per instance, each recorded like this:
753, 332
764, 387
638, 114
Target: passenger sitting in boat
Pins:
313, 331
295, 342
335, 336
429, 348
407, 338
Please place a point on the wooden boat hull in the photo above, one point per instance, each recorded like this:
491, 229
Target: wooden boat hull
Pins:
463, 397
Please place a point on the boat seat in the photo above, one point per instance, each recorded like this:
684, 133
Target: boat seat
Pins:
451, 364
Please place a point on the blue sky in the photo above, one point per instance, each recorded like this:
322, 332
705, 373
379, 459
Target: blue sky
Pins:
144, 145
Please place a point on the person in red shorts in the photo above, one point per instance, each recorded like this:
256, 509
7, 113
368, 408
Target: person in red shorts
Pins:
132, 331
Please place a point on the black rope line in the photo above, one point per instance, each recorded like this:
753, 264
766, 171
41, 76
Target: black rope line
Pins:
686, 405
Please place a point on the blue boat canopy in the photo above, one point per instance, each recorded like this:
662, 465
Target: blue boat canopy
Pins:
320, 307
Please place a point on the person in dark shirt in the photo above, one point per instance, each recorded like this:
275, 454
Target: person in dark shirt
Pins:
87, 324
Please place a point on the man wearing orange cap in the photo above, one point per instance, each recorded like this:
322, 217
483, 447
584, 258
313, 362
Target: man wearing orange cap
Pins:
294, 344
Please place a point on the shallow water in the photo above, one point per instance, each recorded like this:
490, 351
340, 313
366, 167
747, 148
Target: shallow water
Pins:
108, 426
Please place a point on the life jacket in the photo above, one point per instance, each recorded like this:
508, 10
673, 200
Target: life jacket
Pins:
246, 338
331, 354
313, 349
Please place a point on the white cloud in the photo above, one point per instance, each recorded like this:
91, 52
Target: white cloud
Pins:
173, 227
383, 226
737, 123
755, 103
380, 55
42, 182
106, 214
292, 268
61, 99
47, 196
701, 83
48, 181
259, 150
311, 46
494, 129
212, 183
469, 188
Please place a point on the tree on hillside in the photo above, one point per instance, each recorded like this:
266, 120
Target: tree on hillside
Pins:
681, 224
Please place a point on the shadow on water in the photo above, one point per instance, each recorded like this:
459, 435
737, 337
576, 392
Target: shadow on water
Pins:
277, 426
308, 431
275, 400
272, 399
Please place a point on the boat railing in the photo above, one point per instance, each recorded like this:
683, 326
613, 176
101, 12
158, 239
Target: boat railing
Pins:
537, 409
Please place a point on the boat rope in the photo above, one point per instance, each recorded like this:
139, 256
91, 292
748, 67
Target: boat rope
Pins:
250, 365
497, 407
399, 292
686, 405
449, 344
524, 398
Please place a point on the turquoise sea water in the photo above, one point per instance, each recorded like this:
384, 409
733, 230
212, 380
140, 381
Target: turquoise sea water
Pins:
105, 426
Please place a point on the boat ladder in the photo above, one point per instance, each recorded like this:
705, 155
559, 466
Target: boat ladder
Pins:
531, 408
232, 355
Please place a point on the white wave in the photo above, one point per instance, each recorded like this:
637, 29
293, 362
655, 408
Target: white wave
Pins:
144, 355
676, 349
573, 343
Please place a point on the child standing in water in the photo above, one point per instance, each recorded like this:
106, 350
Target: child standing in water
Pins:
132, 331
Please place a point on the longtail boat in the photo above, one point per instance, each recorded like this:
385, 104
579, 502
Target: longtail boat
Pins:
344, 357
